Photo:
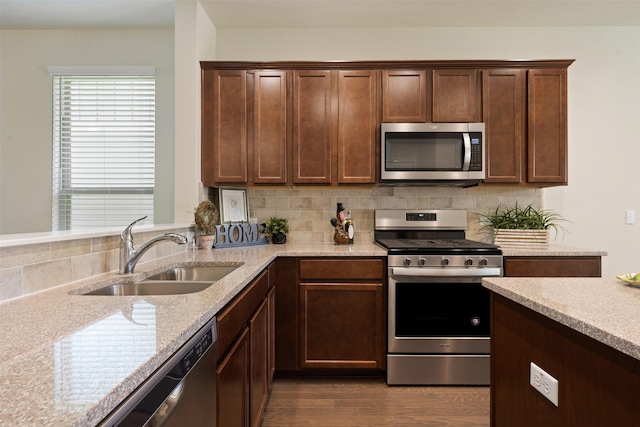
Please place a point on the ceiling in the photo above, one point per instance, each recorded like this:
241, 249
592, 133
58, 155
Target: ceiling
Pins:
56, 14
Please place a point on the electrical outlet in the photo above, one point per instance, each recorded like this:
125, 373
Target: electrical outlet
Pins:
544, 383
630, 217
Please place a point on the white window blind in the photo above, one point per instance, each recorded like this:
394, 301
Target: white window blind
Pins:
104, 150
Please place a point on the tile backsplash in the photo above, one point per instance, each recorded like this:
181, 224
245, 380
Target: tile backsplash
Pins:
35, 267
310, 210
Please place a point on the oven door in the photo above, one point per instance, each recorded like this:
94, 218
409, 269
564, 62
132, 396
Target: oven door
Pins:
431, 314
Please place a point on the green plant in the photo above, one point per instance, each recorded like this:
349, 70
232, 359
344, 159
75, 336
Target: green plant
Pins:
276, 226
206, 217
528, 218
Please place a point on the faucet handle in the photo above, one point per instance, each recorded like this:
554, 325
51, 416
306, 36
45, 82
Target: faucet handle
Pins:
126, 234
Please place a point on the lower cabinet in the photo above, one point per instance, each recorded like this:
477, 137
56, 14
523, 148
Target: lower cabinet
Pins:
331, 316
341, 325
233, 384
597, 385
550, 266
245, 339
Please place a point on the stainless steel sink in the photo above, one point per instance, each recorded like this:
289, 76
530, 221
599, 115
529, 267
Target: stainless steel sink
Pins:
175, 281
151, 288
202, 273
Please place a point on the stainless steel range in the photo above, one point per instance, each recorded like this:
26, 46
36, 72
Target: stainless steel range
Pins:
438, 330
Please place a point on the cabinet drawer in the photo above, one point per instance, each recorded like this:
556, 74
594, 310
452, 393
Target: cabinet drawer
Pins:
588, 266
341, 269
234, 317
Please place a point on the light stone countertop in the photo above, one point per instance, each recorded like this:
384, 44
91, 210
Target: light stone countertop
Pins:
607, 310
68, 359
553, 250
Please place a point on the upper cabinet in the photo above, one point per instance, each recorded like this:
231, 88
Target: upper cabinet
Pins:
404, 96
525, 113
456, 94
312, 127
269, 132
547, 126
504, 114
358, 127
318, 123
224, 127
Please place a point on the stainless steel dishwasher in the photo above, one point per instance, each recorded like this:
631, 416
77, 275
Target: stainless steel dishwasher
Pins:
182, 392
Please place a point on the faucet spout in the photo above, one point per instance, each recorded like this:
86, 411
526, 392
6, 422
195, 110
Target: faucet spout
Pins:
129, 256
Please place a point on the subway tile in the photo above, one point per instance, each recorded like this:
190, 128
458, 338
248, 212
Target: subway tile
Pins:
10, 283
91, 265
100, 244
22, 255
46, 275
70, 248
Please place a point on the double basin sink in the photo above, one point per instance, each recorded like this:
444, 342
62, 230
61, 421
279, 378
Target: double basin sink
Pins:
175, 281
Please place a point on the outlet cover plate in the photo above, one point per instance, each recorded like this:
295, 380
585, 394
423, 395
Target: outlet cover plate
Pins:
544, 383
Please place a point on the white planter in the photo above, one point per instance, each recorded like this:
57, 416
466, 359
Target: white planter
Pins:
206, 241
522, 238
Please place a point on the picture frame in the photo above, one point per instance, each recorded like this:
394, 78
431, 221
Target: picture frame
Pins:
233, 205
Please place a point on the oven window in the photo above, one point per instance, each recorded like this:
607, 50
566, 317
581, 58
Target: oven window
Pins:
415, 151
441, 310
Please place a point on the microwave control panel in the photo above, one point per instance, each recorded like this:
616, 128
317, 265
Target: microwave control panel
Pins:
476, 152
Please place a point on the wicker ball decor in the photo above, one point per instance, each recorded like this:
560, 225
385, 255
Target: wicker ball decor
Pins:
206, 217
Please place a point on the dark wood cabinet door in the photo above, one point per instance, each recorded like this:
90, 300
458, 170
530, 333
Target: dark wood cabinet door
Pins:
271, 330
258, 344
287, 315
224, 127
455, 95
504, 114
232, 384
312, 126
270, 130
404, 96
547, 126
358, 127
341, 325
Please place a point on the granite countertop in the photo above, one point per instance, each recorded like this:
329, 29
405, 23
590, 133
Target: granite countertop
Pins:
606, 310
553, 250
68, 359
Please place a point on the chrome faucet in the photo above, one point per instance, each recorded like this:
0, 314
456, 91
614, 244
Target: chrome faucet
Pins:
129, 256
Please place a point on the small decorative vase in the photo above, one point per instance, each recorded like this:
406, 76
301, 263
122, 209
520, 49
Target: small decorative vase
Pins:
340, 237
278, 239
206, 241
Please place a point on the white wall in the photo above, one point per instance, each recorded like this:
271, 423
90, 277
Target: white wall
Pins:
604, 106
195, 37
26, 112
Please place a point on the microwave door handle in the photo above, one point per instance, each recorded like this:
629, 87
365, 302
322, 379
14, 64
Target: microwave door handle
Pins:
467, 151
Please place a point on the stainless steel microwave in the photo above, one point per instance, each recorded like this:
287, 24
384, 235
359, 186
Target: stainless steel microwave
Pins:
432, 153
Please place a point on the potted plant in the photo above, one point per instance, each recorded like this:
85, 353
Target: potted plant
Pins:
205, 219
522, 227
278, 229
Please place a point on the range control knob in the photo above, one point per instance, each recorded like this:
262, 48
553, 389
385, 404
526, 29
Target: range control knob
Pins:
445, 261
407, 261
422, 261
483, 261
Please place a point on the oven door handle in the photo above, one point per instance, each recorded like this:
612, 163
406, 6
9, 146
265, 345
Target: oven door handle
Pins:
448, 272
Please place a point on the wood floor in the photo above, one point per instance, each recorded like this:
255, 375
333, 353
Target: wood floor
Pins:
370, 402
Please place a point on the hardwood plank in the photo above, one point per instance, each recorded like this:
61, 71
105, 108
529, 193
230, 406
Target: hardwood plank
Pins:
370, 402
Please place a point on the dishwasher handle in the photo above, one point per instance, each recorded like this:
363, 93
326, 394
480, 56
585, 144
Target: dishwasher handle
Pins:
167, 406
